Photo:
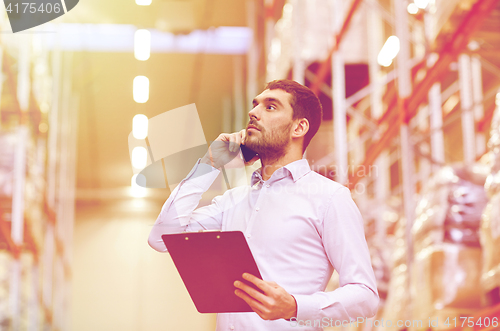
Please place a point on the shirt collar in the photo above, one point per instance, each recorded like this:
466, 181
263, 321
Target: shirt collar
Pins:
296, 169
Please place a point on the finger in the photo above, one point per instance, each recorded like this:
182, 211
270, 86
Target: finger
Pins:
238, 140
252, 292
223, 137
233, 145
243, 134
257, 282
254, 304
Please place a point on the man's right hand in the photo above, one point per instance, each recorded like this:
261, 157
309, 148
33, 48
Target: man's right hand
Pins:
225, 149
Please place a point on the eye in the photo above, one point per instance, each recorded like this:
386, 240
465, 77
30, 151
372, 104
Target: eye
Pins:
271, 107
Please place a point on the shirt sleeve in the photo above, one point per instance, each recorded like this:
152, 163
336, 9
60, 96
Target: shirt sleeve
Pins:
346, 248
178, 214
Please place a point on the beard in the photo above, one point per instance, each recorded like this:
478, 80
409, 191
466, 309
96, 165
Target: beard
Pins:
270, 145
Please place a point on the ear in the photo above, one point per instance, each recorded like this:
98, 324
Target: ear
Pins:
300, 128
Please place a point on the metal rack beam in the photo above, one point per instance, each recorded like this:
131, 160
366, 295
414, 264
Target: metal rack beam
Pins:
459, 40
325, 65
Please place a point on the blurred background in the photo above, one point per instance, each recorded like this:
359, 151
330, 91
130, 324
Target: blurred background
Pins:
411, 98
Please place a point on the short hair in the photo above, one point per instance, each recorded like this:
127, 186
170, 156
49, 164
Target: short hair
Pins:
305, 104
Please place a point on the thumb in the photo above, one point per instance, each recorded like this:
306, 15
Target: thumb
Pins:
243, 134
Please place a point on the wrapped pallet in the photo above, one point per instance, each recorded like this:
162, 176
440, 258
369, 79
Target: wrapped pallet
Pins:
451, 207
490, 241
397, 304
5, 262
7, 146
444, 283
447, 253
490, 225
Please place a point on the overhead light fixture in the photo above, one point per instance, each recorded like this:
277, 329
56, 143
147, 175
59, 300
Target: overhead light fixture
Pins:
143, 2
138, 191
275, 48
473, 45
288, 8
43, 127
139, 157
44, 107
141, 89
422, 4
412, 8
74, 37
388, 51
142, 44
140, 126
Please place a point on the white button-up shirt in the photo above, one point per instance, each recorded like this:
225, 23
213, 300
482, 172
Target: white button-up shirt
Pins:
300, 226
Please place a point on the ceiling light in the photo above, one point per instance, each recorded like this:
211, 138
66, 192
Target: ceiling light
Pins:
388, 51
43, 127
140, 126
473, 45
138, 191
412, 8
275, 49
44, 107
139, 157
422, 4
141, 89
143, 2
142, 44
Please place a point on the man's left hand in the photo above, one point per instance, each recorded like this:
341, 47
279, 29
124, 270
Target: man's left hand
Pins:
273, 304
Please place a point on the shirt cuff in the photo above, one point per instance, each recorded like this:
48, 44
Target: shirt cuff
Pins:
307, 307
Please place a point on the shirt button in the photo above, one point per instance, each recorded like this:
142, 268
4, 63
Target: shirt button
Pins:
268, 185
257, 209
232, 327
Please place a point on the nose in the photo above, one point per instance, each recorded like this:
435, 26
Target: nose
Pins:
253, 114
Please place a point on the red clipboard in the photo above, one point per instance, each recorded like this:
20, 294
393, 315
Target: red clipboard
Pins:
209, 263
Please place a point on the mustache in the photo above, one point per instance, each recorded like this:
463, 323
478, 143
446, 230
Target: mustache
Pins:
254, 123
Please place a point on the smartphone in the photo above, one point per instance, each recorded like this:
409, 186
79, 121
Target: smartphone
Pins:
248, 154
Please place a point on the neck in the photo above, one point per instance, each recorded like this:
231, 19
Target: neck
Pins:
270, 165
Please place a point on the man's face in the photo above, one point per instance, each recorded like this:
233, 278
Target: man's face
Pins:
268, 131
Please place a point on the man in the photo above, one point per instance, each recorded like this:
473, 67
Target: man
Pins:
299, 225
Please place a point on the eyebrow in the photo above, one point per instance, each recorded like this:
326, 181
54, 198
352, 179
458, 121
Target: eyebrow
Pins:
268, 100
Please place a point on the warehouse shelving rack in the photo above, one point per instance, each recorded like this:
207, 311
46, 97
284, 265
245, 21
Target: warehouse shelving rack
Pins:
448, 59
38, 115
